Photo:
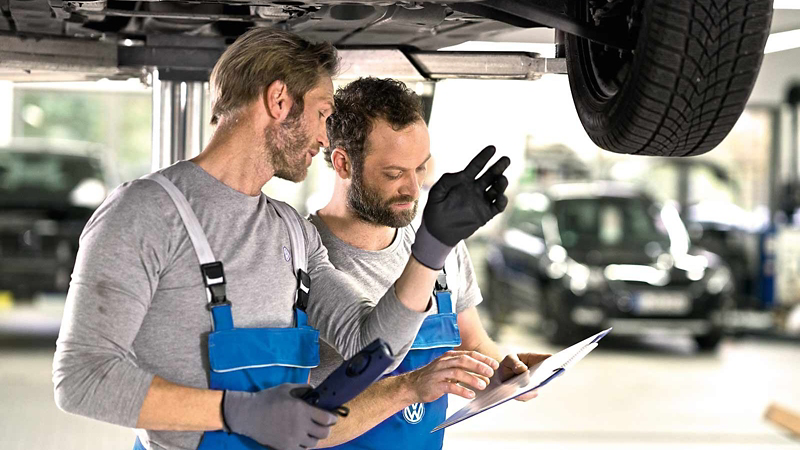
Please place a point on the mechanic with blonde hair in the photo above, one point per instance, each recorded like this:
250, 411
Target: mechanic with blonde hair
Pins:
196, 301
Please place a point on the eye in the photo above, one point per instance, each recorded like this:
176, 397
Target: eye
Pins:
393, 176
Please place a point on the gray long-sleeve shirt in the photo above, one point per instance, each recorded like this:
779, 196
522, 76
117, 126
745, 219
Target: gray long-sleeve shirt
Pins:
377, 270
136, 303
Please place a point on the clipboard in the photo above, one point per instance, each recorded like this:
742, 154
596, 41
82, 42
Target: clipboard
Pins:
533, 378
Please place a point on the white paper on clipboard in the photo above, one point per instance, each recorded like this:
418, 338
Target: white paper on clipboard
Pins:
535, 377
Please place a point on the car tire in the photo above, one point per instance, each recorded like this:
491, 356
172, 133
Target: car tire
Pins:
720, 325
684, 86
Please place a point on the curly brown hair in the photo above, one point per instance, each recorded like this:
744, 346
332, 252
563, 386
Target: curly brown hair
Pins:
262, 56
359, 104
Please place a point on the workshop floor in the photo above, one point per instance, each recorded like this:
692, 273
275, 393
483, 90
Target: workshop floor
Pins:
654, 393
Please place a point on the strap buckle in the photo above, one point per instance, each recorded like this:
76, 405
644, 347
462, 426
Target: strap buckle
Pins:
303, 289
441, 282
214, 279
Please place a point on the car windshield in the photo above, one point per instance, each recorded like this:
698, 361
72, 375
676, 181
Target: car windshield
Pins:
607, 222
43, 179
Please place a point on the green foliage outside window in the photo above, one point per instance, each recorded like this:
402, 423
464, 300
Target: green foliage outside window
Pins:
120, 121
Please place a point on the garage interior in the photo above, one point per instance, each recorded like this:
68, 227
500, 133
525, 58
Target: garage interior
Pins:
653, 386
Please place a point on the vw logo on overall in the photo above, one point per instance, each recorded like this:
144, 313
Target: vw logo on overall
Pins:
414, 413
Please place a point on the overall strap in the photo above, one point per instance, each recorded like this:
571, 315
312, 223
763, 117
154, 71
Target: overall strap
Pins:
452, 275
447, 284
297, 241
213, 273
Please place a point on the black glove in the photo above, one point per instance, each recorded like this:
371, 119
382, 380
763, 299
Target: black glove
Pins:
276, 418
458, 205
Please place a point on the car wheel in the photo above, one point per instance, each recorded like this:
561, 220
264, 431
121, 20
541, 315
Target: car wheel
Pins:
720, 320
684, 86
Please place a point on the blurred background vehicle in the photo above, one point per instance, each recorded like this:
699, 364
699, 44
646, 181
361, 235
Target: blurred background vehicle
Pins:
48, 191
592, 255
706, 192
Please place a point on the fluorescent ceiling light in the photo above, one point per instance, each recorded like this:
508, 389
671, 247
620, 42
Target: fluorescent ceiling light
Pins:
545, 50
785, 40
102, 85
786, 4
776, 42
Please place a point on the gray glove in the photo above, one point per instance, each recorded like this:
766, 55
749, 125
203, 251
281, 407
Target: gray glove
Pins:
458, 205
276, 418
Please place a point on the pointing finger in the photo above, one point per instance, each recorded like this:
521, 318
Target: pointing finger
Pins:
479, 162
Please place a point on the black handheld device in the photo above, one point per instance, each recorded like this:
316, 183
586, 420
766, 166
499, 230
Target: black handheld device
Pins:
351, 378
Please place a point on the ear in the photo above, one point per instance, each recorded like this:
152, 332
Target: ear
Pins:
341, 163
277, 100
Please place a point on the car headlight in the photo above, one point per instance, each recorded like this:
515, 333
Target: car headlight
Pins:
719, 281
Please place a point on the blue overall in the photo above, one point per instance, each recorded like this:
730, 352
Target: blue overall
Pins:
410, 428
250, 359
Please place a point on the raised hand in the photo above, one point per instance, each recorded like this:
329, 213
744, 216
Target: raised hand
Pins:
459, 204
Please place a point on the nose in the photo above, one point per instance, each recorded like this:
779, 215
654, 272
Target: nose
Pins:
411, 185
322, 136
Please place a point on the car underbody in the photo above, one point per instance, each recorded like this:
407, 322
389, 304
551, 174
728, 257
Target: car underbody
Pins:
650, 77
184, 37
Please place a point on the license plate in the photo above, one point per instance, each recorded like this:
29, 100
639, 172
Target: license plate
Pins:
673, 303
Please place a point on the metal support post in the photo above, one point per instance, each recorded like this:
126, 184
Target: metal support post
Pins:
195, 104
177, 120
774, 164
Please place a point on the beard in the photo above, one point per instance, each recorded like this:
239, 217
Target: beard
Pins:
371, 208
288, 144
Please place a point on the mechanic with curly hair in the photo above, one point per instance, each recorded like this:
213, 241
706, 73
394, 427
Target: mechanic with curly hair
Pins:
379, 149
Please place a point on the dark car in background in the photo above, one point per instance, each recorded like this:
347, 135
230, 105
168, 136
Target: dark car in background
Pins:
589, 255
48, 191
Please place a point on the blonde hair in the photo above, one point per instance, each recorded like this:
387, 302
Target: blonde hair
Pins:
262, 56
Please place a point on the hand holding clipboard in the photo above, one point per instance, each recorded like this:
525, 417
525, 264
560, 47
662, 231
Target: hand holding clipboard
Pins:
533, 378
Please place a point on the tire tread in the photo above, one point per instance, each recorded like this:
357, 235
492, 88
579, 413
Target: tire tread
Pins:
699, 60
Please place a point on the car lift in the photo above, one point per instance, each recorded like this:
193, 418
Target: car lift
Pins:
177, 67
